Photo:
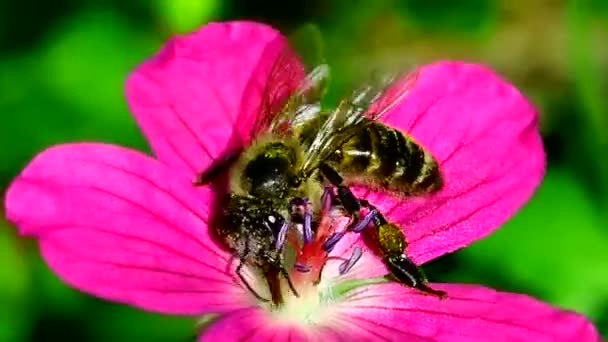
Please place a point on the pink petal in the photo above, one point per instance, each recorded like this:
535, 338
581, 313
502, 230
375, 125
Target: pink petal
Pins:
392, 312
119, 225
197, 97
251, 324
255, 324
484, 134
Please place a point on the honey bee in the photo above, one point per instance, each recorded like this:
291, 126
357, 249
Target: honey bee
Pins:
298, 155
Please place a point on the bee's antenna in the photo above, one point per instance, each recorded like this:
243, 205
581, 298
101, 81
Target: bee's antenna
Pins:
239, 271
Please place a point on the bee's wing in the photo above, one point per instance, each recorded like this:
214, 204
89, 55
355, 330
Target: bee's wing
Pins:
342, 123
285, 90
367, 104
285, 75
269, 98
380, 99
302, 105
275, 99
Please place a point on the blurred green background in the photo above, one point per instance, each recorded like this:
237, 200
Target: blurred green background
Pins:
62, 67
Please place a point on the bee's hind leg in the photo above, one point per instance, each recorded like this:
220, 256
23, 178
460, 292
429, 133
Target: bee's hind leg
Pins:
291, 286
407, 273
350, 202
392, 244
347, 199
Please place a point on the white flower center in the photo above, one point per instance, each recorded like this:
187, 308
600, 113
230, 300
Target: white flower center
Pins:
313, 306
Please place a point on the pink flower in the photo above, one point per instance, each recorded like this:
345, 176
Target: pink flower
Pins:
130, 228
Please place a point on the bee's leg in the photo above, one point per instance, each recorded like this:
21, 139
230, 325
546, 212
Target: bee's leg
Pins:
391, 239
239, 272
349, 201
346, 197
370, 216
391, 242
288, 278
406, 272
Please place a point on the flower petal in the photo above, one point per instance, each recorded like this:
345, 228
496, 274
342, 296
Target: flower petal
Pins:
484, 134
203, 90
392, 312
120, 225
252, 324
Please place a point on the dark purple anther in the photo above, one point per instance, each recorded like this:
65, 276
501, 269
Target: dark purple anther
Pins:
281, 236
331, 242
364, 222
327, 198
350, 263
307, 228
302, 267
298, 201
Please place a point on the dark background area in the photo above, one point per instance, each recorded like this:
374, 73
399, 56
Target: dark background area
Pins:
62, 68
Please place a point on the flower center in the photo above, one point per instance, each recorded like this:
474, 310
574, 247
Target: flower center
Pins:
312, 306
303, 296
316, 297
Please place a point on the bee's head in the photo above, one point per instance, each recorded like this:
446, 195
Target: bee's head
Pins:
271, 173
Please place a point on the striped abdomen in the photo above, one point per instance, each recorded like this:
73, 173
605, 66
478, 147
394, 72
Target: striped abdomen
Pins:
384, 157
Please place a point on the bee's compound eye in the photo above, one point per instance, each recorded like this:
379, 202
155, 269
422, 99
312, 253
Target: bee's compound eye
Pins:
274, 220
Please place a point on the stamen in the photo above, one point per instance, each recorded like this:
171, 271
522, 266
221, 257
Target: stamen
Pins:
301, 212
299, 202
327, 198
281, 236
350, 263
331, 242
363, 223
307, 228
302, 267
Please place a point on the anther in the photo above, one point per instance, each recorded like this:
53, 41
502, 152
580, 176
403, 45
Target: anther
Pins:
302, 267
358, 226
331, 242
307, 228
346, 266
299, 201
281, 236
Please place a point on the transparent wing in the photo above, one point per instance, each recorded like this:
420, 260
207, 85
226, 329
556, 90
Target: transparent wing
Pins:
284, 96
290, 84
262, 105
395, 88
303, 105
341, 124
286, 90
285, 76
